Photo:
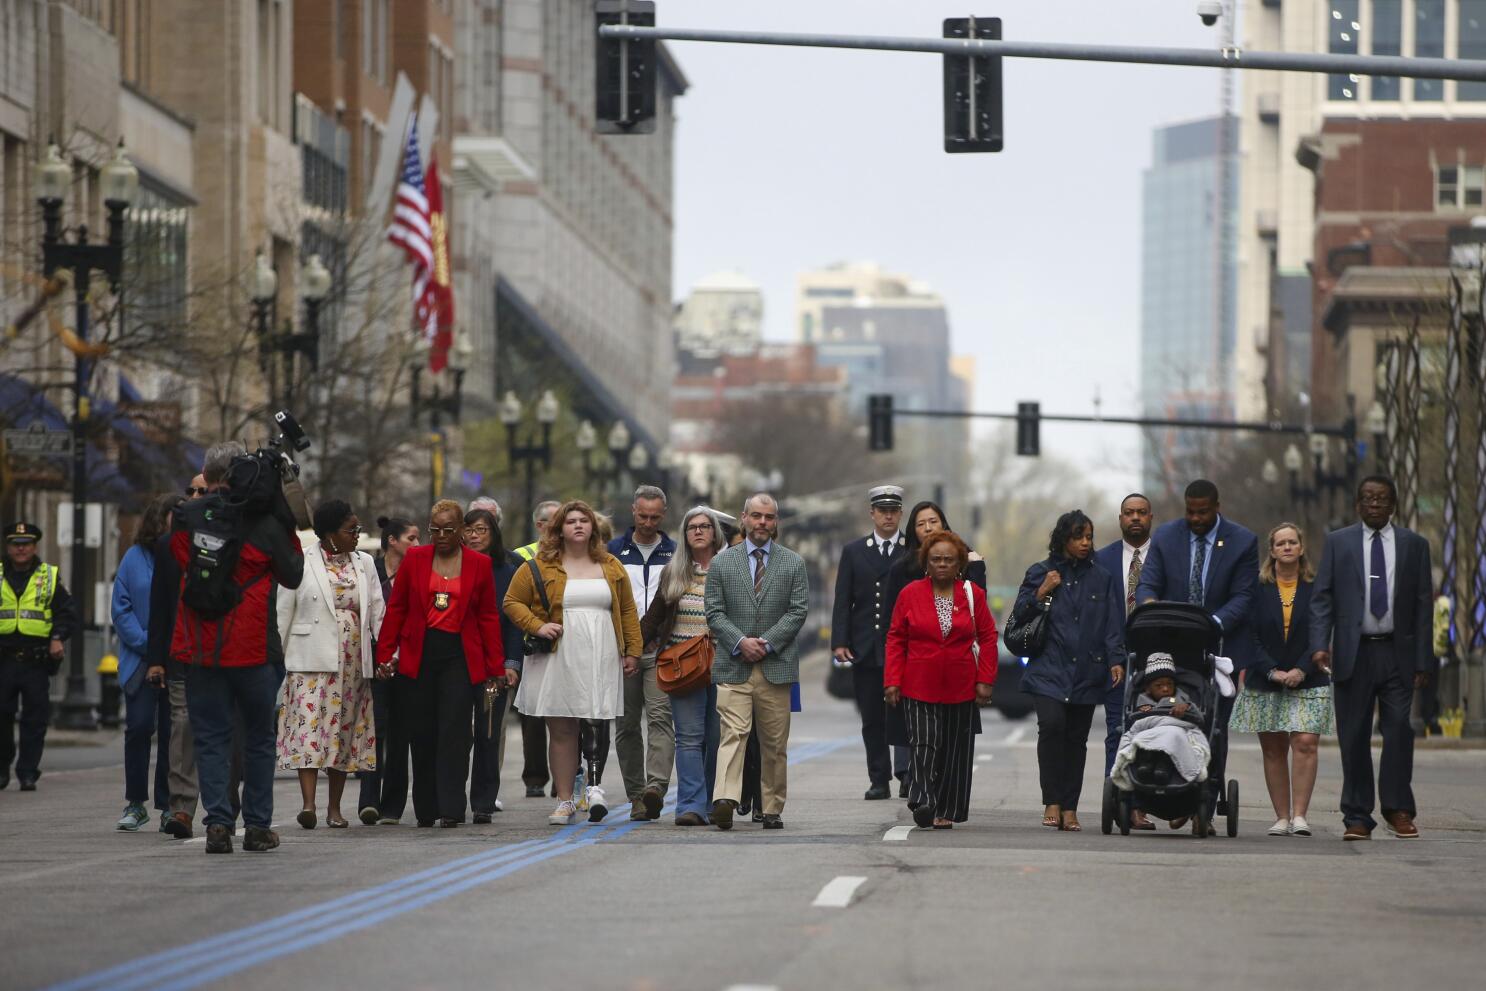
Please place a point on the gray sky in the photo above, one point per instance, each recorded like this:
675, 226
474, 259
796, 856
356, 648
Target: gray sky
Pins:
789, 159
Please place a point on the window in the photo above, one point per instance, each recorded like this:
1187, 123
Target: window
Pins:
1343, 29
1429, 42
155, 253
1387, 39
374, 27
1459, 187
1472, 33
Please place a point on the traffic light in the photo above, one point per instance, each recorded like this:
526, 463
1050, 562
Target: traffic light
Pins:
1029, 429
972, 89
879, 423
624, 94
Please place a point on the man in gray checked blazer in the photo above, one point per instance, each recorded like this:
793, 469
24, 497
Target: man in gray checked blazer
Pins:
757, 597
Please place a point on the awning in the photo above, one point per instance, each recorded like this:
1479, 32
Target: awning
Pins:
549, 339
23, 405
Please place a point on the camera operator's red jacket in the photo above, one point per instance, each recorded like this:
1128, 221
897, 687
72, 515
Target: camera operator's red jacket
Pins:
247, 636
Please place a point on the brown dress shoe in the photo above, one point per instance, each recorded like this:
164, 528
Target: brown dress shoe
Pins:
1357, 831
1401, 825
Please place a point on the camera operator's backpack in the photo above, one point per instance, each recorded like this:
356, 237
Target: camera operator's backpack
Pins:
216, 527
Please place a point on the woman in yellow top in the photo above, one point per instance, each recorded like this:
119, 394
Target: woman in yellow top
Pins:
592, 631
1285, 698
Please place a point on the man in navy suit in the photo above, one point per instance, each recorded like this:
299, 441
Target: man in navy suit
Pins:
858, 628
1125, 559
1207, 559
1371, 625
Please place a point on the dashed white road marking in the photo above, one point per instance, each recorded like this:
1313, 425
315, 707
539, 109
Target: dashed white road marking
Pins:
838, 891
985, 757
897, 834
1015, 736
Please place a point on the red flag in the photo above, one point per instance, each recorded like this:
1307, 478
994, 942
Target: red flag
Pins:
440, 288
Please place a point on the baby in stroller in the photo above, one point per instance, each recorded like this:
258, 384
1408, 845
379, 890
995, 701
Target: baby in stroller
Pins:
1160, 694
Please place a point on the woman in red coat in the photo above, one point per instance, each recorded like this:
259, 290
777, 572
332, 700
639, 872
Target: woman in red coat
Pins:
443, 626
932, 668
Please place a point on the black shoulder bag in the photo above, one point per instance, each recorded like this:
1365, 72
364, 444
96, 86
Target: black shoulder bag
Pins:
531, 643
1027, 637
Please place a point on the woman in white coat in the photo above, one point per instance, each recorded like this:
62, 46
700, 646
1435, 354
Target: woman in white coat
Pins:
327, 626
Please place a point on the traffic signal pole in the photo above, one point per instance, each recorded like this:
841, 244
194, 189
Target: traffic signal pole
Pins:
1230, 57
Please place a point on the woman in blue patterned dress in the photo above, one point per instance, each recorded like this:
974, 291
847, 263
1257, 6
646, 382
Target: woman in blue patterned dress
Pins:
1285, 698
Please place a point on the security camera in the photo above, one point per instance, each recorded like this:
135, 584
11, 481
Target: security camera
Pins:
1209, 11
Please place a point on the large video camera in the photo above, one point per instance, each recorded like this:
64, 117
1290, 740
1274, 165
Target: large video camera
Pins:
267, 481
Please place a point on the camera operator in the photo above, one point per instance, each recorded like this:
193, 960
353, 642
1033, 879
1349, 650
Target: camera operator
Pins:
234, 547
37, 617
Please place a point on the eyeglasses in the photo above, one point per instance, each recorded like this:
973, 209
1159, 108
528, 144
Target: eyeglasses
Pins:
1376, 501
192, 491
699, 528
478, 530
442, 531
354, 531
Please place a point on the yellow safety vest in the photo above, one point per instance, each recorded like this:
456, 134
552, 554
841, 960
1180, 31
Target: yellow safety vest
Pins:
528, 552
31, 615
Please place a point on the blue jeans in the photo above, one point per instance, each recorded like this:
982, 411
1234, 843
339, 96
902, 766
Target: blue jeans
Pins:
697, 734
211, 696
146, 716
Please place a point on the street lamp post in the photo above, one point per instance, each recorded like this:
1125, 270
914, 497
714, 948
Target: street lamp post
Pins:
119, 184
529, 452
438, 405
263, 291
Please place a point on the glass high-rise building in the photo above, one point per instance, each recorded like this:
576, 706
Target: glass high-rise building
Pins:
1188, 278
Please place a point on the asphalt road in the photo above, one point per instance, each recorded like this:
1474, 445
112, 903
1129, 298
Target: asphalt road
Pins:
846, 896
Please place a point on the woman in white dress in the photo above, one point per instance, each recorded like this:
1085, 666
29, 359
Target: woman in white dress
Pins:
574, 604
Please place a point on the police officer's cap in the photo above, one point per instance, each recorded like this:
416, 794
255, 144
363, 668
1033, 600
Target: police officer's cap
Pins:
886, 497
22, 533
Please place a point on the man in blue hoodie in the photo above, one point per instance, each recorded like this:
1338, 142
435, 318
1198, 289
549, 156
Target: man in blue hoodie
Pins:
645, 764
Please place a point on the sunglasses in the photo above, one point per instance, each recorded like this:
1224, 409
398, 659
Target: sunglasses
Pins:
354, 531
443, 531
192, 491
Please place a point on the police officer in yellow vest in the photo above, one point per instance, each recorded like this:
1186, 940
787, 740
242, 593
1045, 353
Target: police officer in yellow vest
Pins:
37, 617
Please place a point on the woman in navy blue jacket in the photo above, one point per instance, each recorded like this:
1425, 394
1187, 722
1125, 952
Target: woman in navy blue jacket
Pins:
1083, 657
482, 533
146, 706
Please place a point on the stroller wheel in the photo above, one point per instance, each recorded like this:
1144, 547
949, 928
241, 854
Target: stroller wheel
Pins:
1122, 814
1232, 808
1107, 807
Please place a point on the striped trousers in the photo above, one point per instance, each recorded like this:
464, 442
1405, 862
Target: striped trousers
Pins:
941, 737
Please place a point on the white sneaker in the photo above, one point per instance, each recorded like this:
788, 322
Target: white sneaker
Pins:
594, 802
1299, 827
563, 815
1281, 827
499, 806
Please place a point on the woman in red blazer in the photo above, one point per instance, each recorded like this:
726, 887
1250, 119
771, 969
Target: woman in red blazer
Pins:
931, 668
441, 634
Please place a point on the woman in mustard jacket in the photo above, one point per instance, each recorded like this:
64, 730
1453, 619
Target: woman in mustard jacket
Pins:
584, 640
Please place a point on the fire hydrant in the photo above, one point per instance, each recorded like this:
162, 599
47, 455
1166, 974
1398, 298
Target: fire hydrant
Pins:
109, 693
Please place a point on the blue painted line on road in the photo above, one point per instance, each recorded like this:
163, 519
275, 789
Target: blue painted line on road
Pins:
281, 935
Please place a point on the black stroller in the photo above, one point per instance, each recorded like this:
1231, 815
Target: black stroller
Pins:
1190, 636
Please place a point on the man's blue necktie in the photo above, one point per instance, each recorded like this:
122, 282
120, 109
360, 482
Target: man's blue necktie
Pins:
1194, 584
1377, 592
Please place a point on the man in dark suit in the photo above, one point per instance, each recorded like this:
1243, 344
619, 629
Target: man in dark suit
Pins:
858, 626
1125, 559
1371, 619
1207, 559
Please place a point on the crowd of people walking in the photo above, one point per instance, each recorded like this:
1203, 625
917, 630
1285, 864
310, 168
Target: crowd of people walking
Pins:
272, 649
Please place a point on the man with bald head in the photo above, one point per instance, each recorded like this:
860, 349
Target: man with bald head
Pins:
756, 601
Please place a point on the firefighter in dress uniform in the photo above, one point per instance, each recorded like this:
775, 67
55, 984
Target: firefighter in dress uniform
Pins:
859, 627
36, 618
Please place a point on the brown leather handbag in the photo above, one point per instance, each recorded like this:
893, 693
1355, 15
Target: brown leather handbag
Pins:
682, 668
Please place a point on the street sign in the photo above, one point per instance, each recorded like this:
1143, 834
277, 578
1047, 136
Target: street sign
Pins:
36, 440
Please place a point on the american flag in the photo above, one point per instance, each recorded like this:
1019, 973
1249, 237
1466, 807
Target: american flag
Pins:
411, 228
